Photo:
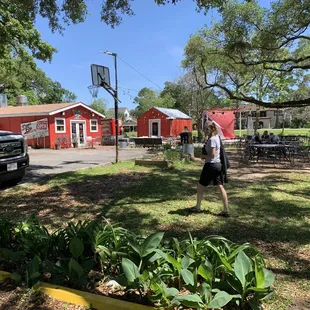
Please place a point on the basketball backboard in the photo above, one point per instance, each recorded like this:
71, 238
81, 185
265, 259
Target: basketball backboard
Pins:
100, 74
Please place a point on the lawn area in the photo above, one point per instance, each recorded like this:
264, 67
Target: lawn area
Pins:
287, 131
270, 208
278, 131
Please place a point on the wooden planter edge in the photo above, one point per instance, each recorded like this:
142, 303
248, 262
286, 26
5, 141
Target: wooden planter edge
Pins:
81, 298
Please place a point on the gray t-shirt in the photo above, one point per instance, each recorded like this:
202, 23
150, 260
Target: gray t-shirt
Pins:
214, 141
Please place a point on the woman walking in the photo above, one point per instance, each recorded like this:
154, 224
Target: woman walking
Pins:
212, 170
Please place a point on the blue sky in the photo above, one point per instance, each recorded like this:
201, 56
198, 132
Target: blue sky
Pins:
152, 41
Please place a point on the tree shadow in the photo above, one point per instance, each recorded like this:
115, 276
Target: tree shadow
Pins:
187, 212
155, 200
78, 162
58, 204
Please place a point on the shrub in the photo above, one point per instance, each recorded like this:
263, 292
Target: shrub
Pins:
212, 272
172, 155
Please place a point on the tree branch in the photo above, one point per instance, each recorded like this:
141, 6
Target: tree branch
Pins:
196, 78
294, 103
290, 69
278, 61
288, 40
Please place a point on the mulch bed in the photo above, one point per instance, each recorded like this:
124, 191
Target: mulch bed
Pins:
15, 297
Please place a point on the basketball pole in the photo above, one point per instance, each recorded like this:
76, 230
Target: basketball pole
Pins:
116, 100
116, 107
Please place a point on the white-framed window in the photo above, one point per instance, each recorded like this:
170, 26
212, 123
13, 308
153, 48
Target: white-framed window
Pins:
60, 125
93, 125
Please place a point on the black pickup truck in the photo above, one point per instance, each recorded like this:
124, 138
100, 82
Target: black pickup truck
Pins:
14, 157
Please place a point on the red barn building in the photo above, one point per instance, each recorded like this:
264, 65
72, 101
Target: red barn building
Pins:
50, 124
162, 122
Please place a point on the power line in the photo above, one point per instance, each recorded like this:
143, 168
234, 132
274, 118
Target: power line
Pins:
129, 89
131, 97
127, 92
138, 72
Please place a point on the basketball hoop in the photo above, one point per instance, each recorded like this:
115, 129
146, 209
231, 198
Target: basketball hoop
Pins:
93, 90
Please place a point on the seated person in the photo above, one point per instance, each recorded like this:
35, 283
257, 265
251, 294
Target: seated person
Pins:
273, 139
256, 138
265, 136
186, 136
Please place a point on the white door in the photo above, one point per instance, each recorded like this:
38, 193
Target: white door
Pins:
78, 133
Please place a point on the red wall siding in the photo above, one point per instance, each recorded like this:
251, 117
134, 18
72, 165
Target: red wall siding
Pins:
14, 123
143, 122
69, 116
177, 125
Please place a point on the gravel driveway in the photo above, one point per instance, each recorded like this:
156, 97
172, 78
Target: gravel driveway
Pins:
46, 163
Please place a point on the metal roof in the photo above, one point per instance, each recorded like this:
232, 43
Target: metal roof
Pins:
174, 113
42, 109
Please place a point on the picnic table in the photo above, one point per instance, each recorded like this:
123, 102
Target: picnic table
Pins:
278, 152
148, 142
273, 152
270, 151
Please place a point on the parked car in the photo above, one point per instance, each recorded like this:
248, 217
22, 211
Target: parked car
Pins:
14, 158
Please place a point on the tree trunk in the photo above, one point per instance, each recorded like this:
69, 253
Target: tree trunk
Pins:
277, 119
256, 120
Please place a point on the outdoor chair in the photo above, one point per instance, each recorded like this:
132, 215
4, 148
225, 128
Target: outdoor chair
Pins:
247, 152
301, 152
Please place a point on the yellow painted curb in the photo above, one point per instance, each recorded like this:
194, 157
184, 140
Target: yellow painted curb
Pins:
87, 299
82, 298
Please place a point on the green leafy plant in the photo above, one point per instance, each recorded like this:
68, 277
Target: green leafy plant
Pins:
144, 252
162, 294
142, 267
210, 273
6, 232
172, 155
110, 243
33, 238
33, 272
72, 268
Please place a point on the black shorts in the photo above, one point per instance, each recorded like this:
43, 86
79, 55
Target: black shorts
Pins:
211, 173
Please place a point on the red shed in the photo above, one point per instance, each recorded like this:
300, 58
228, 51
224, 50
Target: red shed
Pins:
162, 122
44, 125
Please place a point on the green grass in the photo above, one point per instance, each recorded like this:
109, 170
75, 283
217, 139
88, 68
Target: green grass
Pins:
270, 208
287, 131
130, 134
